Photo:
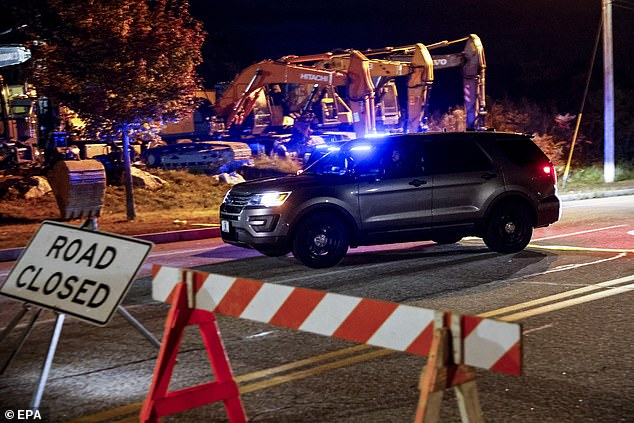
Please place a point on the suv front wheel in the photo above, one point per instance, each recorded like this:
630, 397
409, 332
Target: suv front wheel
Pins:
321, 240
509, 228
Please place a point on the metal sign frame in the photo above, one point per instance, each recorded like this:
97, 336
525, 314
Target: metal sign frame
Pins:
89, 225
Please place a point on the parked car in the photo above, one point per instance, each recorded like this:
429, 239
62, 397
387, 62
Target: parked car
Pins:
408, 187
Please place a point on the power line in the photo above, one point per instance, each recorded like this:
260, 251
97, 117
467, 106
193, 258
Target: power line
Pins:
623, 7
583, 103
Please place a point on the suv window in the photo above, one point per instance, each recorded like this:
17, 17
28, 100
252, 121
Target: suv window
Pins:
401, 159
456, 156
520, 151
362, 157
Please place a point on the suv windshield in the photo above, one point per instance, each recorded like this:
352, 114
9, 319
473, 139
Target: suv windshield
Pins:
358, 158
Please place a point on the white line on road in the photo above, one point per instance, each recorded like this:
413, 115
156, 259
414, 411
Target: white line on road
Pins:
578, 233
537, 329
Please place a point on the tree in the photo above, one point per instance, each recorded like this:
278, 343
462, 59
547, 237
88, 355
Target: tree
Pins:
120, 64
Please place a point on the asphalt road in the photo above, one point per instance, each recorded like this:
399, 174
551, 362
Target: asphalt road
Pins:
571, 290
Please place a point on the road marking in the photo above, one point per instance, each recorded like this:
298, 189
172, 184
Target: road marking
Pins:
610, 288
565, 267
301, 374
550, 325
260, 335
579, 233
125, 410
572, 248
551, 298
368, 267
300, 363
568, 303
513, 317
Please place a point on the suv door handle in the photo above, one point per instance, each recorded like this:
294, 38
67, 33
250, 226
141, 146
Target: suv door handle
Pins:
417, 182
488, 175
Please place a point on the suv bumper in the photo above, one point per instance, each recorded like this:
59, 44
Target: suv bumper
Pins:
254, 228
548, 211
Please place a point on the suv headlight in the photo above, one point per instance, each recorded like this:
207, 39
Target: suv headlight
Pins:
268, 199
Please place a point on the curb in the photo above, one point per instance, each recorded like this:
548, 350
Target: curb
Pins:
12, 254
177, 236
596, 194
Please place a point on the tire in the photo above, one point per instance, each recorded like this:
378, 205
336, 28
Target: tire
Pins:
447, 239
321, 240
274, 252
509, 228
154, 160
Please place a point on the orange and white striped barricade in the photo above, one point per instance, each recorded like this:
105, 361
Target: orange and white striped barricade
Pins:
454, 342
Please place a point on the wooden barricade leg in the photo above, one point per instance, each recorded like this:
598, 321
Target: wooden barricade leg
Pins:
440, 373
159, 401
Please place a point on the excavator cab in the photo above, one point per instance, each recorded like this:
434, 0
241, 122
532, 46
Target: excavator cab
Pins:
334, 111
388, 112
262, 116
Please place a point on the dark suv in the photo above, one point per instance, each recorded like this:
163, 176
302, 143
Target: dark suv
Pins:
397, 188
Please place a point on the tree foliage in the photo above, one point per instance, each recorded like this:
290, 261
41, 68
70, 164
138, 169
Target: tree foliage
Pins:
117, 63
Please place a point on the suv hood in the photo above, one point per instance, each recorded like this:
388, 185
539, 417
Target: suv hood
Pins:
283, 183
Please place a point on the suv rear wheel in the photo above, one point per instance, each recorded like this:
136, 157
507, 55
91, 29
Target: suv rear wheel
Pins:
509, 228
321, 240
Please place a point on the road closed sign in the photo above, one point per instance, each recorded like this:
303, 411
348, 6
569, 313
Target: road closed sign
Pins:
80, 272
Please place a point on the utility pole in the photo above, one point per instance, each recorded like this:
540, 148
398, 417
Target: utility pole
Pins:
608, 94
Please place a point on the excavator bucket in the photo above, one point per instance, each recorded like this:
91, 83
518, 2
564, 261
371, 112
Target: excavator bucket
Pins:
79, 187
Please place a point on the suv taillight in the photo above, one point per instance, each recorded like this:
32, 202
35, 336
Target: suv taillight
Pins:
550, 170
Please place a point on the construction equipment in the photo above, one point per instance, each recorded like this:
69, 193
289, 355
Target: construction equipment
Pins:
472, 61
277, 97
258, 89
261, 100
13, 54
78, 185
304, 92
18, 124
204, 156
418, 68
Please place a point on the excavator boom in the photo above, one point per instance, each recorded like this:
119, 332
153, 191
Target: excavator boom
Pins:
472, 61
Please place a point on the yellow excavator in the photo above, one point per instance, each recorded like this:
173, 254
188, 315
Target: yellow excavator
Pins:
382, 74
470, 59
310, 90
316, 79
78, 185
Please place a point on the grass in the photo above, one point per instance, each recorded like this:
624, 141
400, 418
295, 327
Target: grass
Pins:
184, 191
187, 201
592, 177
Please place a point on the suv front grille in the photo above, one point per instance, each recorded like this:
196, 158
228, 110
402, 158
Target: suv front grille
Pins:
237, 200
234, 203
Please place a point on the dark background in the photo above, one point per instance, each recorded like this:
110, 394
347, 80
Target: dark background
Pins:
535, 49
538, 49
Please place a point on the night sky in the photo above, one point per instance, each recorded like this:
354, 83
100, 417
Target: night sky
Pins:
539, 49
